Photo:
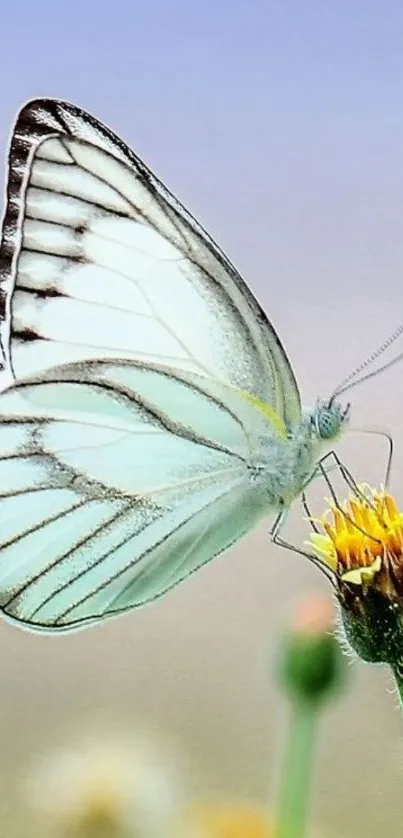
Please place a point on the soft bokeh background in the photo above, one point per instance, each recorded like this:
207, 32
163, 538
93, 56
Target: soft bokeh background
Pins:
280, 125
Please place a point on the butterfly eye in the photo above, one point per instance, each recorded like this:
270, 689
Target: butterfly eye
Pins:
329, 419
328, 423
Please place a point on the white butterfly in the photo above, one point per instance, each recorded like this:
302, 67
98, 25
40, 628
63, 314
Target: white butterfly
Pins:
155, 417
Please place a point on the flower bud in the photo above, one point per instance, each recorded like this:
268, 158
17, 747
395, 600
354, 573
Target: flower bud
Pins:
311, 664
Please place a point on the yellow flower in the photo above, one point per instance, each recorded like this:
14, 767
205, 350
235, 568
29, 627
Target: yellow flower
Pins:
362, 542
228, 820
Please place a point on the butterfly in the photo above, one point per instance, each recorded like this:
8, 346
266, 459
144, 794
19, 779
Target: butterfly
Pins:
149, 415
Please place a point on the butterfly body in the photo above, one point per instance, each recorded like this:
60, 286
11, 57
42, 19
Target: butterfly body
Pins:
149, 416
284, 467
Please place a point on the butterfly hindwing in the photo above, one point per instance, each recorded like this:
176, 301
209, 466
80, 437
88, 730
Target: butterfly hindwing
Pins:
109, 496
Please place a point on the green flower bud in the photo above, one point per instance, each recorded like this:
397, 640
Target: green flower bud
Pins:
311, 663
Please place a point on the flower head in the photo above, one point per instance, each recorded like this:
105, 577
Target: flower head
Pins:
362, 541
362, 544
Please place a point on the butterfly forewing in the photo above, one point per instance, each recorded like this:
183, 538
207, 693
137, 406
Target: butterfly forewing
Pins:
99, 260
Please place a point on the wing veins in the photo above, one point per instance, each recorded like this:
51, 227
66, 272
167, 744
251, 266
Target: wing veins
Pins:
157, 196
40, 524
183, 559
132, 563
135, 399
49, 221
38, 292
137, 210
80, 543
86, 201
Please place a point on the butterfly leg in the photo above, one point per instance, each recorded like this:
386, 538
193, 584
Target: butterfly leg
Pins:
279, 521
308, 512
345, 473
281, 542
350, 479
351, 482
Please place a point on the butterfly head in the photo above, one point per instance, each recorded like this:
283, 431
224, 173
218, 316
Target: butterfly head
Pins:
328, 419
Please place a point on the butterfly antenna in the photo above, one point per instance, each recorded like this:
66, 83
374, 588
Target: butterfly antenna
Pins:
356, 376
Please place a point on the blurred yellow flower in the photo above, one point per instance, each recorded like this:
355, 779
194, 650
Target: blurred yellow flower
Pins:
106, 788
228, 820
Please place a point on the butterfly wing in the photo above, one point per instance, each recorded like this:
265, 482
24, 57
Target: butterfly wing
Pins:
98, 259
118, 480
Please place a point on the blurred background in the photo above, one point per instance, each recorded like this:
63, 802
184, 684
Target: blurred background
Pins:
280, 126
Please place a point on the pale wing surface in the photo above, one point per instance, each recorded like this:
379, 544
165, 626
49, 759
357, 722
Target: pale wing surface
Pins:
117, 482
98, 259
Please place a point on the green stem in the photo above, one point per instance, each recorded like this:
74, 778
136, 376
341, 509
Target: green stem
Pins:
297, 771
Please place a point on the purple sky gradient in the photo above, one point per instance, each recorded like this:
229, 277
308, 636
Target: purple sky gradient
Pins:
280, 126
